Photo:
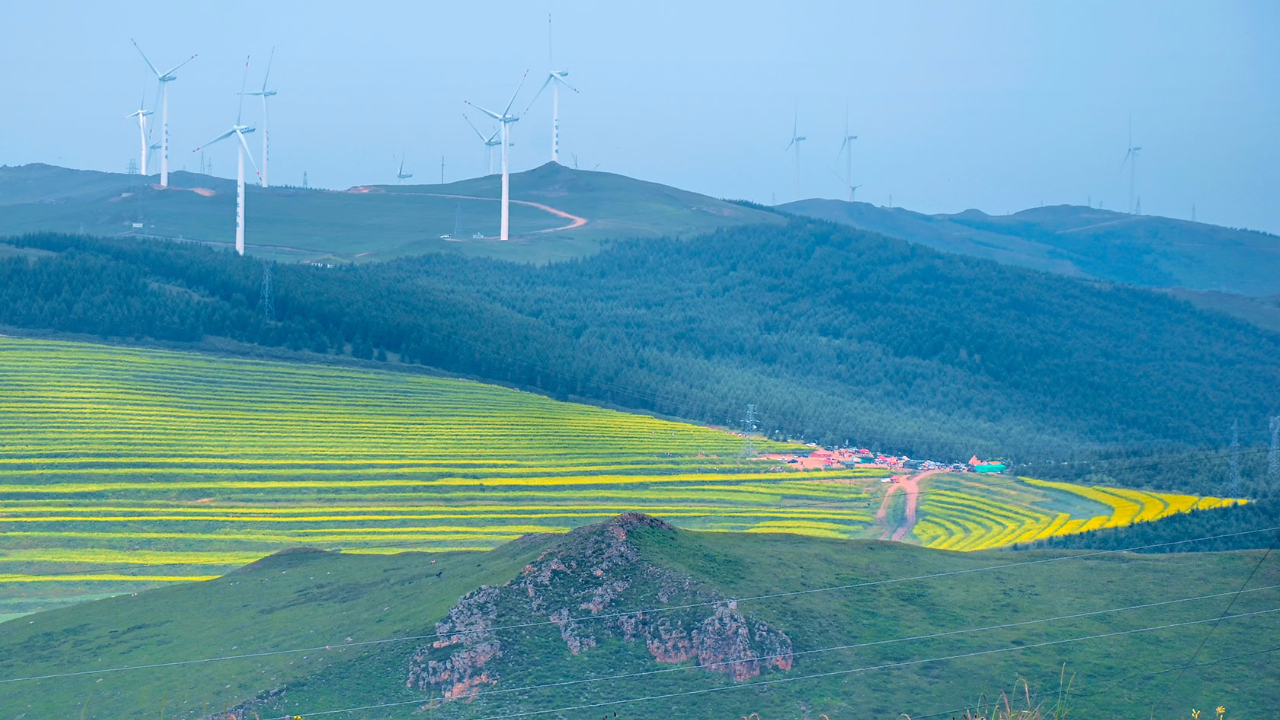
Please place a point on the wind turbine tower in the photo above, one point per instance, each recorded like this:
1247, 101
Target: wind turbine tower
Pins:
555, 78
239, 131
1131, 157
164, 79
507, 119
796, 139
142, 131
489, 142
264, 93
847, 147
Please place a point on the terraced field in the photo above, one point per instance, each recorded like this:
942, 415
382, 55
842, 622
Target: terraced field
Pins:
126, 468
970, 512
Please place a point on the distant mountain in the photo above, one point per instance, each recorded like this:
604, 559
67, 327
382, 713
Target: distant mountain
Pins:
1083, 242
559, 213
632, 616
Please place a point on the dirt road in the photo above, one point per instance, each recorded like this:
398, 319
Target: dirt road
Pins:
574, 220
911, 485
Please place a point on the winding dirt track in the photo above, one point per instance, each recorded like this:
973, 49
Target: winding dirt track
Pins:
574, 220
911, 485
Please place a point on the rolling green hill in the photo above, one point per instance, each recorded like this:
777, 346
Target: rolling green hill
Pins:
834, 334
1082, 242
552, 623
366, 223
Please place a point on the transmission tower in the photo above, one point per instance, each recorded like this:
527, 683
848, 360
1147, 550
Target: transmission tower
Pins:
1273, 455
132, 167
1235, 458
268, 308
749, 420
304, 180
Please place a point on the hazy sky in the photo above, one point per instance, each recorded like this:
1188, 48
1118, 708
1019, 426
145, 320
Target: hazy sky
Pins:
992, 105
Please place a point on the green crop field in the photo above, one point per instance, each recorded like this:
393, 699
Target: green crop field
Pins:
125, 468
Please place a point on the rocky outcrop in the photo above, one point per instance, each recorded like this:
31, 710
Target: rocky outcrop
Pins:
469, 627
591, 585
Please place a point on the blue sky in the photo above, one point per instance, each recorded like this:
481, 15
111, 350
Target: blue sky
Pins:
991, 105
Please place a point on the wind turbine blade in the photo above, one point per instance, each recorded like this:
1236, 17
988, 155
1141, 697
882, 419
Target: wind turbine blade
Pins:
473, 127
833, 172
270, 60
245, 146
549, 60
788, 147
550, 77
243, 80
144, 57
220, 138
565, 83
517, 92
843, 145
179, 65
490, 113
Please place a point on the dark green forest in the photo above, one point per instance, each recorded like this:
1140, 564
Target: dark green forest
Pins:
833, 334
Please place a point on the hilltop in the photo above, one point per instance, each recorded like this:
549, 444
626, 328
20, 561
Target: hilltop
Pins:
1083, 242
560, 213
633, 608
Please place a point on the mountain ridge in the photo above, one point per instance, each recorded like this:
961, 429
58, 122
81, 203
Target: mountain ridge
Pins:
1088, 243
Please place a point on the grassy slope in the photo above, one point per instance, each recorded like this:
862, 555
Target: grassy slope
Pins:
304, 599
398, 595
375, 223
1141, 250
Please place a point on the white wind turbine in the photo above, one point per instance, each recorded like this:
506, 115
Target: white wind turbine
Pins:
1131, 157
402, 175
239, 131
165, 79
506, 118
847, 147
141, 114
853, 189
555, 78
796, 139
264, 93
489, 142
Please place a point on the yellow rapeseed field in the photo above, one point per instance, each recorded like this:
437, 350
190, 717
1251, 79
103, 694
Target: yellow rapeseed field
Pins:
122, 468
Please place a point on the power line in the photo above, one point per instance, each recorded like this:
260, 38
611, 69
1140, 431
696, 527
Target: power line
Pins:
779, 681
835, 648
1214, 627
1126, 678
652, 610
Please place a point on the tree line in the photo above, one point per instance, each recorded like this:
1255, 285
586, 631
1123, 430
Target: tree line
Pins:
835, 335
